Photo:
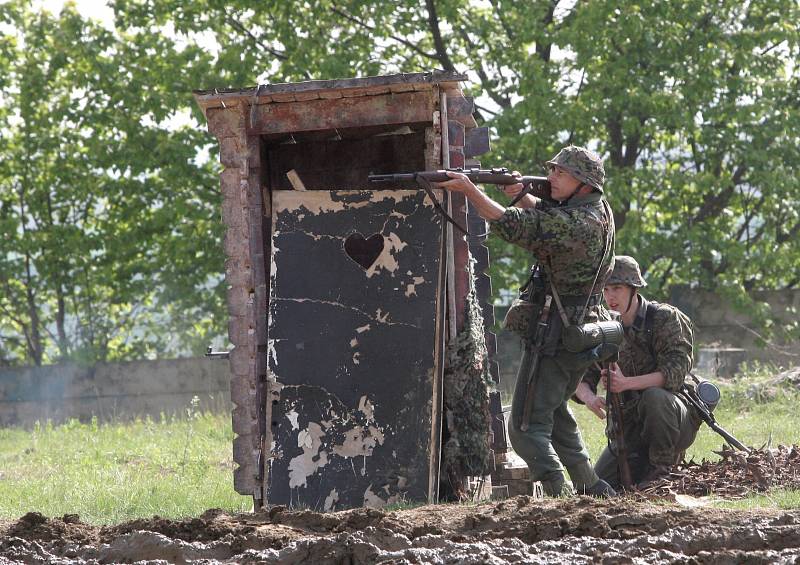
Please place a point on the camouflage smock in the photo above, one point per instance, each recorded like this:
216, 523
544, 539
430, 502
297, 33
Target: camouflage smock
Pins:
570, 237
667, 348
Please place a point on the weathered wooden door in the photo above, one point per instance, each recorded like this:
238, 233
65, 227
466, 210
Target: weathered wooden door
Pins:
355, 346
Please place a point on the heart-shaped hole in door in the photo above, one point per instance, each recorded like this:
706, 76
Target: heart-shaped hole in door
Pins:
364, 251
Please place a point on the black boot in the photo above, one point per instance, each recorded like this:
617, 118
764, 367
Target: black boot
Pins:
655, 473
600, 489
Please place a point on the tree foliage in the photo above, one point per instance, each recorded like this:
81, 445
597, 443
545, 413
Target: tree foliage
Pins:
110, 221
106, 220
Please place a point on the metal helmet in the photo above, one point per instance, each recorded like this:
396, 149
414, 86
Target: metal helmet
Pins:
584, 165
626, 271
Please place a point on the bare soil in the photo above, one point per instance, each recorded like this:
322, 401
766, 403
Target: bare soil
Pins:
518, 530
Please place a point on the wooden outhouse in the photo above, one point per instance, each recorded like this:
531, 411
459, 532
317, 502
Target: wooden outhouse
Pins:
343, 295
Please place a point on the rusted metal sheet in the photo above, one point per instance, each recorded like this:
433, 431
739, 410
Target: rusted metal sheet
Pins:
400, 108
354, 359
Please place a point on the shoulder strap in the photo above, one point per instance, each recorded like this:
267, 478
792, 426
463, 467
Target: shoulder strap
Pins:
607, 246
649, 323
650, 317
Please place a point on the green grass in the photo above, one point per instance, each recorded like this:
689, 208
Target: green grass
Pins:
180, 467
112, 473
783, 499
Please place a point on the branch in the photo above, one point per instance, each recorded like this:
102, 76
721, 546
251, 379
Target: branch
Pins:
713, 204
667, 272
782, 236
236, 24
496, 97
499, 15
577, 96
543, 50
401, 40
441, 49
485, 110
768, 343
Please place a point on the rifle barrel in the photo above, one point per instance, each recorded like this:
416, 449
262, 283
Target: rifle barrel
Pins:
483, 176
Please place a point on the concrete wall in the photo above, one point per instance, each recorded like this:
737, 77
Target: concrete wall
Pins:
111, 390
724, 337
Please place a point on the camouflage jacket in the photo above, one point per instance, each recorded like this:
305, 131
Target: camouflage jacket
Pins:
569, 238
666, 347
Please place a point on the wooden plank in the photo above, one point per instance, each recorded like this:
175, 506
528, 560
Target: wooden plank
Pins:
451, 289
459, 106
430, 78
402, 108
284, 97
302, 96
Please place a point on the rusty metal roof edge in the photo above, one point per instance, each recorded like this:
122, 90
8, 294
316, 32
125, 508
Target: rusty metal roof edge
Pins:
432, 77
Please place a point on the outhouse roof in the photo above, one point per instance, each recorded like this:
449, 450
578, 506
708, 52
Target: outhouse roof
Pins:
326, 89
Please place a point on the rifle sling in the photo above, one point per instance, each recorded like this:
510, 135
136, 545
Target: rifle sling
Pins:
522, 193
426, 186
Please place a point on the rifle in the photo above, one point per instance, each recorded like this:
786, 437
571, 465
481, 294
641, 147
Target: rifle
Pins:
691, 397
538, 186
539, 333
614, 402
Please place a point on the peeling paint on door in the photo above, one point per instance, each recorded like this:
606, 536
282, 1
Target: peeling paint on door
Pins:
353, 417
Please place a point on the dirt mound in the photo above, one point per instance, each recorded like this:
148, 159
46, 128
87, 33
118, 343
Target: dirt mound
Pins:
520, 529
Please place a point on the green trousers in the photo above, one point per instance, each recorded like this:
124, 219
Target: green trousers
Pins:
657, 431
552, 440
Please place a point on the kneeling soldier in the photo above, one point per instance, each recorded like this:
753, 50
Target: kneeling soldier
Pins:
654, 359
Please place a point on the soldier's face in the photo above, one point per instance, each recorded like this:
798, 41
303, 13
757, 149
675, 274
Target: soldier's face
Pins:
563, 184
618, 296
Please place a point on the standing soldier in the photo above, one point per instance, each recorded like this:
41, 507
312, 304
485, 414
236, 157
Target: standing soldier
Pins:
570, 234
654, 359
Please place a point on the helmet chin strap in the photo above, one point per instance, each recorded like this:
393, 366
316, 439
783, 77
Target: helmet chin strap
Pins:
577, 188
630, 300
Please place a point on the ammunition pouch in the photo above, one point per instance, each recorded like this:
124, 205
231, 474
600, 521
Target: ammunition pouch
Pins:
526, 307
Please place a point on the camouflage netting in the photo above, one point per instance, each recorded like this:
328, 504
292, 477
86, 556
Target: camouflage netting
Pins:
467, 383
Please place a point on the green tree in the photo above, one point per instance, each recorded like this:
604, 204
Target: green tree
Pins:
692, 104
108, 230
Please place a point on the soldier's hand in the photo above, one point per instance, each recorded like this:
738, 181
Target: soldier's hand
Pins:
459, 183
512, 190
598, 406
613, 379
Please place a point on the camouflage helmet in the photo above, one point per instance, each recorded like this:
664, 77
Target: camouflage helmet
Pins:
584, 165
626, 271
